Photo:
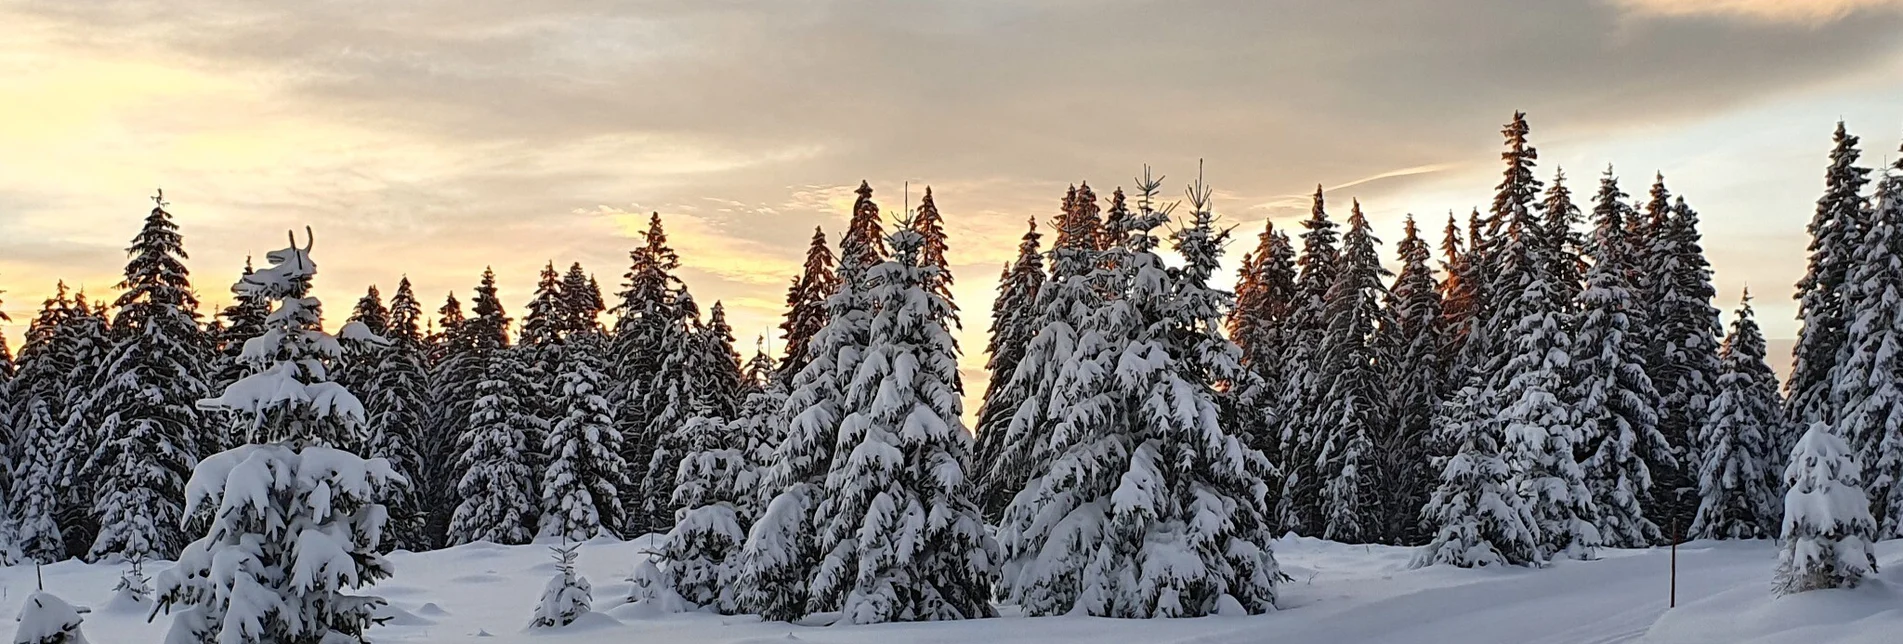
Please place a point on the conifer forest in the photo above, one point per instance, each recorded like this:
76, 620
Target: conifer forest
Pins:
1548, 384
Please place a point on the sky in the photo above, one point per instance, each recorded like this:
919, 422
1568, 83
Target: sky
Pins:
433, 138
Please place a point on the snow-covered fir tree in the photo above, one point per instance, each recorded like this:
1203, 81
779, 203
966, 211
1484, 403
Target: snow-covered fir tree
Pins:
1867, 390
703, 548
1353, 412
583, 486
781, 554
297, 525
88, 341
1566, 245
34, 495
1477, 517
1111, 525
806, 303
1265, 289
1828, 531
900, 536
1836, 232
1301, 399
155, 374
1409, 353
399, 416
1737, 479
1460, 296
540, 341
568, 596
1539, 431
581, 304
1063, 303
1013, 324
497, 493
931, 225
1683, 360
455, 368
239, 322
699, 378
647, 315
1614, 402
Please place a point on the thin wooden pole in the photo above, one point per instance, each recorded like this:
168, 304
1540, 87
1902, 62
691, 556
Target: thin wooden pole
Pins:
1672, 602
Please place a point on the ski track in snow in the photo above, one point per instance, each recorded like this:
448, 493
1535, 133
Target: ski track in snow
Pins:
1340, 593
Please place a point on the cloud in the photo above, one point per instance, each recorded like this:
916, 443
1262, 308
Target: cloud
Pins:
1803, 12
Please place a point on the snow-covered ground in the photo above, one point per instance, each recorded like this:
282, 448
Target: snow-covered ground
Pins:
1341, 594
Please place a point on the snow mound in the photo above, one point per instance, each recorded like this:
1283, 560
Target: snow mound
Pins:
400, 617
1750, 614
431, 609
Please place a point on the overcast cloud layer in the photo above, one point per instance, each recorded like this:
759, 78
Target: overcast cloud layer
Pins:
432, 138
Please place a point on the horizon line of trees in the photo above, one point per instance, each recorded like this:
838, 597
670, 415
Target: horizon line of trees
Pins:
1551, 380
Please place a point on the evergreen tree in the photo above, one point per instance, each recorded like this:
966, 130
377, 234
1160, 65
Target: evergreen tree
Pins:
1539, 429
1265, 290
1836, 231
291, 505
243, 320
1613, 398
806, 304
399, 415
1111, 525
1477, 516
582, 487
568, 596
34, 496
455, 369
581, 304
781, 554
1828, 530
1460, 297
1409, 353
704, 545
83, 412
497, 491
1565, 245
544, 328
1305, 387
931, 226
1013, 320
1063, 305
900, 536
1737, 487
1867, 394
647, 314
1684, 357
700, 378
1354, 410
147, 395
365, 350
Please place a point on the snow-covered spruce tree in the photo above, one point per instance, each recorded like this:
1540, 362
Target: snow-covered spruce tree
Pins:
900, 535
1265, 289
399, 415
46, 619
87, 335
1836, 231
1409, 348
1460, 297
1302, 393
239, 322
1614, 403
699, 378
1142, 506
708, 531
1562, 219
540, 342
365, 350
931, 226
34, 497
1684, 359
154, 376
1868, 378
497, 493
646, 315
580, 303
781, 554
1493, 242
1354, 411
1477, 517
1827, 530
1013, 324
583, 485
567, 596
806, 303
1539, 430
1737, 485
759, 428
454, 371
1038, 380
298, 525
